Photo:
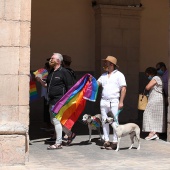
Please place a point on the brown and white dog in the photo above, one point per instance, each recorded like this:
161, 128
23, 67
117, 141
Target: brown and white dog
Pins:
94, 123
131, 129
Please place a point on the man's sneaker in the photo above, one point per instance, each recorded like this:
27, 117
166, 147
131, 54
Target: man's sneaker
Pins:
106, 144
113, 146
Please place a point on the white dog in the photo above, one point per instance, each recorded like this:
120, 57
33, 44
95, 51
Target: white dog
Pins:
94, 123
131, 129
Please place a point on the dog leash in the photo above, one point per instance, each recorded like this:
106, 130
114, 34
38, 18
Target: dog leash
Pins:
116, 120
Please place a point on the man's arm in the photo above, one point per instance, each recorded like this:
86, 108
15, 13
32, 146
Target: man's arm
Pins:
122, 97
44, 84
98, 83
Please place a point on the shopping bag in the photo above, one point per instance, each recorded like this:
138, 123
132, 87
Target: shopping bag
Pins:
142, 101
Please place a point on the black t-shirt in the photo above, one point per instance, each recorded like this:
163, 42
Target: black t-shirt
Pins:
58, 83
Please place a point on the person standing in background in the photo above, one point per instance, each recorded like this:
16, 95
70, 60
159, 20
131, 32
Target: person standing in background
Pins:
66, 64
163, 72
154, 114
46, 113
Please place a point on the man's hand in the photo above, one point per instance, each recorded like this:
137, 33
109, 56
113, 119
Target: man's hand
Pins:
38, 79
120, 106
90, 78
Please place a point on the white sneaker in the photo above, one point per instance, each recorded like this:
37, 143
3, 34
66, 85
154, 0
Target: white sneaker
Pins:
153, 137
157, 137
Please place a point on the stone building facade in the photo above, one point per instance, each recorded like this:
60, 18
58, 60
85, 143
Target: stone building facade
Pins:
117, 30
15, 24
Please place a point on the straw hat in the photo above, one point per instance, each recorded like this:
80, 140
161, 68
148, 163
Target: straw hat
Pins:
111, 59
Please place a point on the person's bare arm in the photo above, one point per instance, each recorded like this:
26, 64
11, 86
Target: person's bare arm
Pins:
150, 84
122, 97
90, 79
98, 83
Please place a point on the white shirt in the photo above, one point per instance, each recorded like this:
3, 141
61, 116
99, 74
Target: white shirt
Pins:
112, 85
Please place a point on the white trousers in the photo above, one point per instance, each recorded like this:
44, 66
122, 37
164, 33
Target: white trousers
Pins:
112, 107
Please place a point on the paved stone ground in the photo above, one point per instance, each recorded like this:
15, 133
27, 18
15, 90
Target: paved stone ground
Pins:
83, 156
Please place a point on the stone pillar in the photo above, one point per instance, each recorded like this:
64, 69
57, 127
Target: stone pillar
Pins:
117, 30
168, 117
15, 20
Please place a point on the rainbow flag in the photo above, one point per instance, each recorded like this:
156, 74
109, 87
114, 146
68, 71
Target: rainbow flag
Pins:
71, 105
43, 72
33, 91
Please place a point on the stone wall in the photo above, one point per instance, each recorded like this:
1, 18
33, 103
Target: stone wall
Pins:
168, 117
15, 21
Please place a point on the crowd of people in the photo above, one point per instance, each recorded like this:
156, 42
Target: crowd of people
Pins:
61, 78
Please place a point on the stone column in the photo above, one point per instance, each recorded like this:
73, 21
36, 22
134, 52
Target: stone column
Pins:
168, 117
15, 20
117, 30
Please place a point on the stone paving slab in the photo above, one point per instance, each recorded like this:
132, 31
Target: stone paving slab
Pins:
82, 156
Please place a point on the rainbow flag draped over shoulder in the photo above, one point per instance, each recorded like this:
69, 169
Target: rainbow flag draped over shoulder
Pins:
71, 105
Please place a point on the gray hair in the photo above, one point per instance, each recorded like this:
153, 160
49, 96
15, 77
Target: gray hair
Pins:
59, 57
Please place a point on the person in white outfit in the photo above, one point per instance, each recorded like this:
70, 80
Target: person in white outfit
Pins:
113, 93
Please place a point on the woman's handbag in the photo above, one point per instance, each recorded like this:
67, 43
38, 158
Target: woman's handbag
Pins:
142, 101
